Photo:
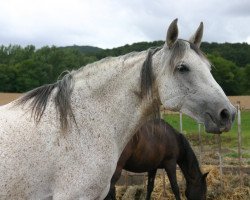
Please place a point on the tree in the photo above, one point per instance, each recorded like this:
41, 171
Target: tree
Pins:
227, 74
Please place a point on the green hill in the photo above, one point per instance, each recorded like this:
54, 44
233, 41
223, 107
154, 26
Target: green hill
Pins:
84, 49
24, 68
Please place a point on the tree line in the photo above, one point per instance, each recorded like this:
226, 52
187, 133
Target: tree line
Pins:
24, 68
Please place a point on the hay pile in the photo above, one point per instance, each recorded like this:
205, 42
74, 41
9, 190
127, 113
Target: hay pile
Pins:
132, 192
226, 189
158, 193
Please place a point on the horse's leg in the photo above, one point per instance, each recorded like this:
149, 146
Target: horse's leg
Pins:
151, 179
126, 154
112, 193
170, 168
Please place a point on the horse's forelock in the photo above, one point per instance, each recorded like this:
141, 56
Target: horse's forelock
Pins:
180, 48
177, 53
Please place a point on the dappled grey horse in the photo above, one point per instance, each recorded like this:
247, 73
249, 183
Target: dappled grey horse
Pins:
63, 140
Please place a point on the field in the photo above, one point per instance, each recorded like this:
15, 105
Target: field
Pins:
229, 139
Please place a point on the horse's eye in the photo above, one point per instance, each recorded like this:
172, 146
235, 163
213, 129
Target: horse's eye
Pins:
183, 68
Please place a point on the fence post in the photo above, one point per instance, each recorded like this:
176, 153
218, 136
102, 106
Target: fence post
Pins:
220, 157
181, 122
239, 142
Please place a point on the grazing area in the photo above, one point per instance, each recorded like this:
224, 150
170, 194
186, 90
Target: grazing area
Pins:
224, 184
226, 188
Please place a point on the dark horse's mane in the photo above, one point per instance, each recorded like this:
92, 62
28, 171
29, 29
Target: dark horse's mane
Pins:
189, 160
39, 98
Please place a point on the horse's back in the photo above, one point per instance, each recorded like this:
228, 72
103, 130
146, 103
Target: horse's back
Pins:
156, 142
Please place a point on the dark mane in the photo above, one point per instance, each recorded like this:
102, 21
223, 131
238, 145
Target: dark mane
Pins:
39, 98
189, 164
147, 77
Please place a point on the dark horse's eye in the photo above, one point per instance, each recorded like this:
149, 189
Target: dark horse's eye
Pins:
183, 68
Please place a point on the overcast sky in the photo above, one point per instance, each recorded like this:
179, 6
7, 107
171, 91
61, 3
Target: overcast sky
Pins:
112, 23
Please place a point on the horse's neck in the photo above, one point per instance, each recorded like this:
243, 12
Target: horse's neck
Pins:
113, 86
189, 164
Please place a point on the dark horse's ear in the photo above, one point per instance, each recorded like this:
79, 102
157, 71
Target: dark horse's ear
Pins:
197, 37
172, 34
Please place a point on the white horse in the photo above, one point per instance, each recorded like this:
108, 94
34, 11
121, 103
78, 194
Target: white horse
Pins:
63, 140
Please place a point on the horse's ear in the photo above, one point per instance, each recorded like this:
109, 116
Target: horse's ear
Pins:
172, 33
197, 37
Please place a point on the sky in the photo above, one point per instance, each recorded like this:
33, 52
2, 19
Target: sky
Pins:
113, 23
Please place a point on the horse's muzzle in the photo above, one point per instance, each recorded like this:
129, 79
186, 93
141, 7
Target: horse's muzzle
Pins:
220, 122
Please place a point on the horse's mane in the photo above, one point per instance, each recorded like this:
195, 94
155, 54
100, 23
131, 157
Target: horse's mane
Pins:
147, 77
177, 52
39, 99
189, 158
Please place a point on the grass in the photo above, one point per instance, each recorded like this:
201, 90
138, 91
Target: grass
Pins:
229, 139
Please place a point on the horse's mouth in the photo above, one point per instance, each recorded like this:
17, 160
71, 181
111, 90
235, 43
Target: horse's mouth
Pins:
211, 126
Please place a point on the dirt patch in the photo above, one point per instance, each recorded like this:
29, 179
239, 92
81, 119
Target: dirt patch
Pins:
8, 97
244, 101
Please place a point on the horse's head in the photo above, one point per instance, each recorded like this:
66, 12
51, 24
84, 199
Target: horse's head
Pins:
196, 190
186, 84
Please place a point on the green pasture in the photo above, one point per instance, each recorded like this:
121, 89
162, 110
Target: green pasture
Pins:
229, 139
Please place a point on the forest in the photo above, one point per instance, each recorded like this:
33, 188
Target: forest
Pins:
24, 68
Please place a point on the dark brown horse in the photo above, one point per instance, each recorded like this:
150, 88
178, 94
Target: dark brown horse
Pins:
158, 145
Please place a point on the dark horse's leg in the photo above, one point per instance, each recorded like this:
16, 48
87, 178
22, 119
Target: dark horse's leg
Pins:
112, 194
120, 165
151, 180
170, 168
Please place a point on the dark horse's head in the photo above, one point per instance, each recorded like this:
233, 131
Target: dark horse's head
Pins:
197, 189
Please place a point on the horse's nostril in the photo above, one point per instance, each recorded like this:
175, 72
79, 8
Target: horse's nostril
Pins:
224, 115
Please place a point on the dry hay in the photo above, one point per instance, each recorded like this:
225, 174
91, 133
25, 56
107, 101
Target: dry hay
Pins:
120, 191
132, 192
158, 194
226, 189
